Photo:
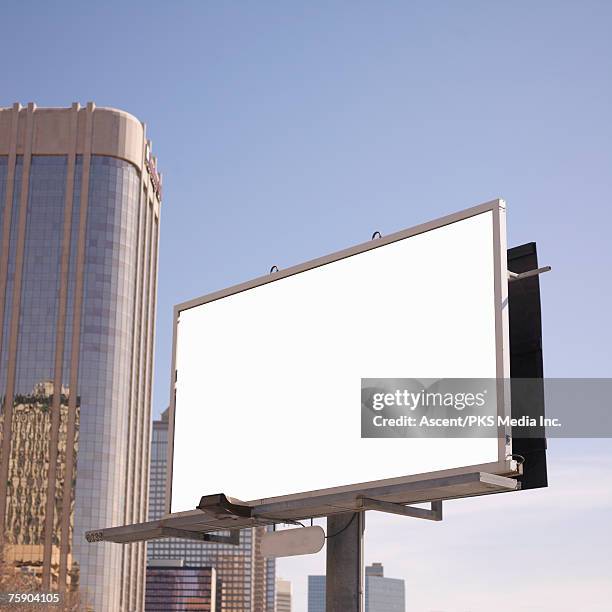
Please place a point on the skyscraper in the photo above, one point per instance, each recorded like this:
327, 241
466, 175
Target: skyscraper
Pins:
174, 586
248, 578
79, 219
316, 593
283, 595
383, 594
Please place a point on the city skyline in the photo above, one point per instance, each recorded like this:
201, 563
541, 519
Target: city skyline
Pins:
381, 593
248, 578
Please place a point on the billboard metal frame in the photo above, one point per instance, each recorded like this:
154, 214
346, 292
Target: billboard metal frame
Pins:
505, 464
216, 513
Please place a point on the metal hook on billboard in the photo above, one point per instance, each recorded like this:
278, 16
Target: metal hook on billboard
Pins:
273, 269
518, 458
376, 235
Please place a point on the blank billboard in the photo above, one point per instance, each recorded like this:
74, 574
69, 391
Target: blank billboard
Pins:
266, 394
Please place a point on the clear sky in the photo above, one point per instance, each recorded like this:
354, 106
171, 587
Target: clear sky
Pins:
289, 130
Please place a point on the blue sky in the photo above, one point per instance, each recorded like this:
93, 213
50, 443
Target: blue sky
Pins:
545, 550
289, 130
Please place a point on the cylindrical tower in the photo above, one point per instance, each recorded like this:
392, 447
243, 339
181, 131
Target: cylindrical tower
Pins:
79, 224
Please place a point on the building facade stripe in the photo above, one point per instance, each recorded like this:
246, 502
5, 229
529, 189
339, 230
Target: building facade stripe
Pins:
75, 344
132, 416
7, 216
148, 420
144, 424
15, 308
59, 351
141, 383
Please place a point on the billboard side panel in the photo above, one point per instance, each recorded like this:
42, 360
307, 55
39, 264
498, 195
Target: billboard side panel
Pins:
171, 412
502, 326
527, 363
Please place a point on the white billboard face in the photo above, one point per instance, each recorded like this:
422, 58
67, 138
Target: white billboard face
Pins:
267, 392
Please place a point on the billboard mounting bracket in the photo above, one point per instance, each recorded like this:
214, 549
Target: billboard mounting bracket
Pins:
516, 276
433, 514
233, 538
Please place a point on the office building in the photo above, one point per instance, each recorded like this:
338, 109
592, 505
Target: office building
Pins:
173, 586
283, 595
383, 594
79, 215
316, 593
248, 578
29, 456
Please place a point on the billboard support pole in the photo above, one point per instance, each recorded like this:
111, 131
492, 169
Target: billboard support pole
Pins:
344, 590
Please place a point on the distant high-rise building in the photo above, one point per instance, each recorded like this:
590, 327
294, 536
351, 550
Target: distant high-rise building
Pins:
27, 494
174, 586
248, 578
283, 595
376, 569
316, 593
79, 215
383, 594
